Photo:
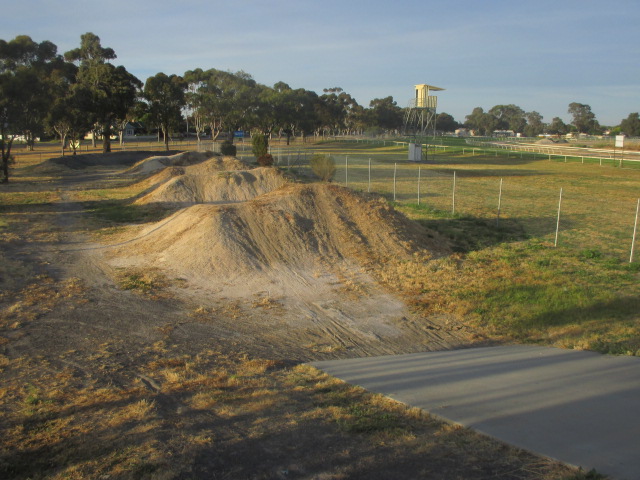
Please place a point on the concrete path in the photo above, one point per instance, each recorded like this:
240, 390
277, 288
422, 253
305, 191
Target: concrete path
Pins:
581, 408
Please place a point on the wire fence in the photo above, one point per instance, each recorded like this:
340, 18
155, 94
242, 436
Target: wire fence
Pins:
577, 219
584, 219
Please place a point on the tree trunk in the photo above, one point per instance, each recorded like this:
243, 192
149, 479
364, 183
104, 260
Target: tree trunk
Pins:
106, 138
165, 133
5, 168
5, 162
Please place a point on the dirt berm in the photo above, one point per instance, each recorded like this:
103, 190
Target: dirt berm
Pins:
216, 180
296, 226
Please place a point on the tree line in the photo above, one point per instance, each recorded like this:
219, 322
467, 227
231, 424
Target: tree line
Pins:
69, 95
530, 124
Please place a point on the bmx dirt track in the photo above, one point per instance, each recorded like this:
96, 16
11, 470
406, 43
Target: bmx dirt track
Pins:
173, 348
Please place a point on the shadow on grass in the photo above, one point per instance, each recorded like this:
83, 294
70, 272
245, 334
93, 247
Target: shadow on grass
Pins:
122, 211
501, 159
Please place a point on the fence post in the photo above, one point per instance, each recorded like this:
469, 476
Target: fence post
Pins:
453, 195
499, 204
418, 184
346, 171
395, 168
555, 244
635, 229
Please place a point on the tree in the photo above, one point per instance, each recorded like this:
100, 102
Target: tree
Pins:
67, 116
384, 113
305, 118
26, 72
446, 122
166, 98
194, 101
583, 118
338, 111
557, 127
509, 117
631, 125
113, 89
485, 123
534, 125
224, 99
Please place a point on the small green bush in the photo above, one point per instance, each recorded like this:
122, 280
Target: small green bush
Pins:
228, 148
259, 145
323, 167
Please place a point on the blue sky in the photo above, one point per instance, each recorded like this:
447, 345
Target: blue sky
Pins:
538, 55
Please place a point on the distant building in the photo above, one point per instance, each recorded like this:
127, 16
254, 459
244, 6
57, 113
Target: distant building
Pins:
504, 133
463, 132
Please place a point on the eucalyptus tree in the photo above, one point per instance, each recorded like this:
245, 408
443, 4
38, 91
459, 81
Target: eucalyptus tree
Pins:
113, 89
384, 113
509, 117
583, 118
27, 72
194, 99
67, 116
557, 127
305, 119
223, 100
534, 126
631, 125
338, 111
446, 123
482, 121
165, 95
283, 109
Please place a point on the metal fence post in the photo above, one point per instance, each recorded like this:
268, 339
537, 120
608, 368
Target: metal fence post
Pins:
635, 229
555, 243
418, 184
499, 204
395, 169
453, 196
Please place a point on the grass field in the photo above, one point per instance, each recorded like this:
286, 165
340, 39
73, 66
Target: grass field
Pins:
508, 277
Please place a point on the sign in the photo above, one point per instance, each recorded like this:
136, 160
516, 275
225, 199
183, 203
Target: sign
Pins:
619, 141
238, 134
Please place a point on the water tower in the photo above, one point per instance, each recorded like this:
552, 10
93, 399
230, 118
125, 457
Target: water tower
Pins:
420, 117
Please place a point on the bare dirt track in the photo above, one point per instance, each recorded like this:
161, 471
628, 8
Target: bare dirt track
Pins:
170, 349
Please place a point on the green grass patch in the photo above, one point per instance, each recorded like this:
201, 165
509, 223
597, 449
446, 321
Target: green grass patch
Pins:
116, 211
467, 233
554, 296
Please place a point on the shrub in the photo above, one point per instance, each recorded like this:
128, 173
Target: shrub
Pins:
228, 148
323, 167
259, 145
265, 160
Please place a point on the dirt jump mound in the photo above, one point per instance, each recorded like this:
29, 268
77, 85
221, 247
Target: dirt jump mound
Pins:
211, 182
293, 227
153, 164
88, 160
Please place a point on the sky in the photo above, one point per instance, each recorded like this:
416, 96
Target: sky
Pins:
540, 55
